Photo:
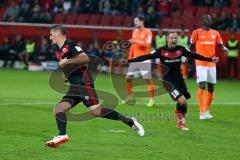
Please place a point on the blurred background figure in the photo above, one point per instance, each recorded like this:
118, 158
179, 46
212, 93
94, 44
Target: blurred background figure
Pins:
233, 49
183, 40
160, 41
5, 52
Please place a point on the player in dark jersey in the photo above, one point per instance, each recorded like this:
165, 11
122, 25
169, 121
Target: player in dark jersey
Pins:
170, 56
71, 55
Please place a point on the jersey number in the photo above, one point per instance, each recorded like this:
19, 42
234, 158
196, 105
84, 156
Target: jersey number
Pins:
175, 93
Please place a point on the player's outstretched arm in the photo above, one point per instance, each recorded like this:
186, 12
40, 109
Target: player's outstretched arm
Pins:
193, 55
153, 55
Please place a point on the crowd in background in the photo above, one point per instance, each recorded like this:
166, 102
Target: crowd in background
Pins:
36, 11
27, 49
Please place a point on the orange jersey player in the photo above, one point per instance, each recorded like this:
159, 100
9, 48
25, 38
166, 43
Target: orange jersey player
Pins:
141, 45
205, 40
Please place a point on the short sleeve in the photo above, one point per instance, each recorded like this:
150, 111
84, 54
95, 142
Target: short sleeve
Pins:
194, 36
219, 39
75, 49
149, 37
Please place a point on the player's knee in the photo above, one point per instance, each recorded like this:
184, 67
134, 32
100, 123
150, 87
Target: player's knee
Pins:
210, 87
202, 85
182, 101
95, 110
129, 77
62, 107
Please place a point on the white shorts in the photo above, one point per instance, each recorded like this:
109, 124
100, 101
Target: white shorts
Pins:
140, 68
206, 74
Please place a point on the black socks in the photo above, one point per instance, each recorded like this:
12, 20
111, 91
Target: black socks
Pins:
111, 114
61, 122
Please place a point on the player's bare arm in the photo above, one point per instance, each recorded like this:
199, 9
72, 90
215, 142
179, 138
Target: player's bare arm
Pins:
223, 48
80, 59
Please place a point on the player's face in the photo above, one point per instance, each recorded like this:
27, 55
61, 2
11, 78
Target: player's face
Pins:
172, 39
54, 36
138, 23
207, 21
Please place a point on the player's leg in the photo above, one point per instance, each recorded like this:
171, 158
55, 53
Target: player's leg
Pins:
210, 93
181, 108
93, 105
145, 69
61, 121
66, 103
98, 111
131, 72
61, 118
201, 80
151, 92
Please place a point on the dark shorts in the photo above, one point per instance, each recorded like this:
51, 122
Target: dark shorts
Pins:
85, 94
176, 87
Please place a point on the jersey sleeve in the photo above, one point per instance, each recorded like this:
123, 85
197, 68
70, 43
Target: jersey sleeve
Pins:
219, 39
154, 55
188, 53
75, 49
149, 37
194, 36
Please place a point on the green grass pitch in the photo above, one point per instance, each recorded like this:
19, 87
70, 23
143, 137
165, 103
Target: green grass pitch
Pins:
27, 122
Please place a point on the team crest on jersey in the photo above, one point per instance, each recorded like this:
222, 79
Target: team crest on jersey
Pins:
213, 36
86, 97
178, 53
142, 36
202, 36
64, 50
166, 54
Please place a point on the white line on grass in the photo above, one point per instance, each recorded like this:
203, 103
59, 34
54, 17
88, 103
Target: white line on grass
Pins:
26, 103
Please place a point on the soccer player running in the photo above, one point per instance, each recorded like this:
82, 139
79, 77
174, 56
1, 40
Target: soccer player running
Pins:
141, 45
205, 40
170, 56
69, 54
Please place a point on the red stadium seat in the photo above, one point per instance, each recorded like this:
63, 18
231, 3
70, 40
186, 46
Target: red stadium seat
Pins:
177, 4
235, 3
105, 20
190, 23
201, 11
191, 9
187, 14
58, 18
228, 11
82, 19
127, 21
215, 10
71, 19
177, 23
94, 19
177, 14
165, 22
118, 20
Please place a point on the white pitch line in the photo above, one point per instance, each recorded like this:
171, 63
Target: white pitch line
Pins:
25, 103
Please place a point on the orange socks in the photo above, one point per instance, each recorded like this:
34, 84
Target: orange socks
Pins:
129, 88
209, 99
201, 99
204, 105
151, 90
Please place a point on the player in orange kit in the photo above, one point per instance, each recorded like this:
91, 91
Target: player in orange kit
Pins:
206, 39
141, 45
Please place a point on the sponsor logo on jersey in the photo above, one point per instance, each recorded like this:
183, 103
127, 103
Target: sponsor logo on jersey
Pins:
206, 42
